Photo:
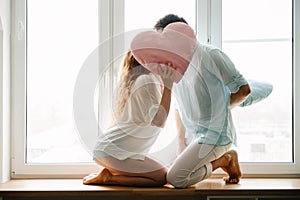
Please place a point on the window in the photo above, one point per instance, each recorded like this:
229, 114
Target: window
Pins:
58, 41
136, 17
49, 48
259, 42
54, 40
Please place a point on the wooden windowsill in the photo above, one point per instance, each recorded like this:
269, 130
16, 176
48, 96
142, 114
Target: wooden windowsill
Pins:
74, 187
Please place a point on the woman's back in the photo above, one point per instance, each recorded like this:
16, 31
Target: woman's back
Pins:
132, 135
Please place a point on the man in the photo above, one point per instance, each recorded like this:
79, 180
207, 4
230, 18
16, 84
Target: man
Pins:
210, 87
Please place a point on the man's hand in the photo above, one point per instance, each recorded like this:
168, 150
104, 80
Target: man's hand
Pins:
240, 96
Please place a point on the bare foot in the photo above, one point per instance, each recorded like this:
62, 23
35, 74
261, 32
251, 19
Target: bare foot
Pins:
233, 168
98, 179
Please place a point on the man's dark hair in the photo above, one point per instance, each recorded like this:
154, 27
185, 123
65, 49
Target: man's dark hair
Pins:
168, 19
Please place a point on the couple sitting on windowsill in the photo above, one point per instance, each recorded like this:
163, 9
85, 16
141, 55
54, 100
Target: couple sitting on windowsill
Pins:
207, 86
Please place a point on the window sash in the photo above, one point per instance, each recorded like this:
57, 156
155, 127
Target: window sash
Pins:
213, 35
111, 13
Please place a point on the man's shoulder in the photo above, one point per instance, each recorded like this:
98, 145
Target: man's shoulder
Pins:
210, 48
214, 52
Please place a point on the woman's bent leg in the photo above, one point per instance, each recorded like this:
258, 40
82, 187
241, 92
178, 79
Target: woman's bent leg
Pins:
129, 172
194, 164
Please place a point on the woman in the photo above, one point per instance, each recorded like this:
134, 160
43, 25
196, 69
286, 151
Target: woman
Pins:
142, 108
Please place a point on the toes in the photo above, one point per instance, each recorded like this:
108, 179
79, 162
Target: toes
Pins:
97, 179
225, 179
89, 179
233, 181
229, 180
86, 181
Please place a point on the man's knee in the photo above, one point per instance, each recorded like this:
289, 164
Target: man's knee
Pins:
176, 179
182, 178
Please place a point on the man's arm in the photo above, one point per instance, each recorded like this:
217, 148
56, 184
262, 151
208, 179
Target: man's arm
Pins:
240, 96
180, 132
231, 77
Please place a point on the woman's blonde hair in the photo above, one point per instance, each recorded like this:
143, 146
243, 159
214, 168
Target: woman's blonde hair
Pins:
131, 70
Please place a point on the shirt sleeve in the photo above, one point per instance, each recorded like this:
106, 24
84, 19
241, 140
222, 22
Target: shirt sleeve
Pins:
145, 99
229, 74
259, 91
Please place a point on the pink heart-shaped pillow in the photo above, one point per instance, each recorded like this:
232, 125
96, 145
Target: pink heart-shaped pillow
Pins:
173, 47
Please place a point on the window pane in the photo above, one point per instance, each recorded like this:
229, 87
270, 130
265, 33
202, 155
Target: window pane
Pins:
60, 35
145, 14
259, 41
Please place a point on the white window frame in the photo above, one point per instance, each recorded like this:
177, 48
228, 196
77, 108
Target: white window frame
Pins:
19, 168
111, 14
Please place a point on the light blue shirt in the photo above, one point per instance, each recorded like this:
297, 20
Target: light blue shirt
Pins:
203, 96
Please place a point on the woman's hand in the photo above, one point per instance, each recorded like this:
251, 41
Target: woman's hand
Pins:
167, 75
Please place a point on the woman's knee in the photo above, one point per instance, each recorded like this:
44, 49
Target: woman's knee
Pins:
160, 177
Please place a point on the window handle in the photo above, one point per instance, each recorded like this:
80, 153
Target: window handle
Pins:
20, 30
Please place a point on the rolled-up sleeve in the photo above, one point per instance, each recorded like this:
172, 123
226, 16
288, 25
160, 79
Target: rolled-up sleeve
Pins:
229, 74
259, 91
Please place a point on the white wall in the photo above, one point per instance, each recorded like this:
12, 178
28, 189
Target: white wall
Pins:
5, 10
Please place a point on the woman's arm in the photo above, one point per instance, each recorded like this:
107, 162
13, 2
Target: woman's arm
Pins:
240, 96
166, 74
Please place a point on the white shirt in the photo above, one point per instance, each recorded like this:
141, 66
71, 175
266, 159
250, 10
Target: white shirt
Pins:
132, 135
